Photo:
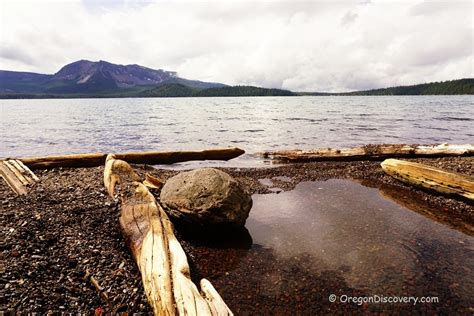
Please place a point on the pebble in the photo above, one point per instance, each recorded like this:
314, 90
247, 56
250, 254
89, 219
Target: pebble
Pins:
95, 241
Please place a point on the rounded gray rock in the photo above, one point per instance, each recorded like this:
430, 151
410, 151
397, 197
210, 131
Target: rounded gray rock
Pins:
206, 196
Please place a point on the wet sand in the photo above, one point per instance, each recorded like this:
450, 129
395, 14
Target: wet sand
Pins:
67, 225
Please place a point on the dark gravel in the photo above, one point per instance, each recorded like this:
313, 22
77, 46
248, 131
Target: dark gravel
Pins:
67, 226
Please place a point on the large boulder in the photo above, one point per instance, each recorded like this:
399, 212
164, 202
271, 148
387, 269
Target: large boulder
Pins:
206, 196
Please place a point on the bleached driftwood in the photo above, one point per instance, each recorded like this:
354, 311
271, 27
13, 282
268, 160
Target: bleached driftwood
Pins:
159, 256
17, 176
152, 182
371, 152
432, 178
153, 158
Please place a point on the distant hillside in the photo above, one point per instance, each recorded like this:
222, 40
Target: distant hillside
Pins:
169, 90
23, 82
460, 86
237, 91
85, 77
179, 90
173, 90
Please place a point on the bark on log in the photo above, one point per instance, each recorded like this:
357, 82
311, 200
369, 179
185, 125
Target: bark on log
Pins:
98, 159
432, 178
159, 256
371, 152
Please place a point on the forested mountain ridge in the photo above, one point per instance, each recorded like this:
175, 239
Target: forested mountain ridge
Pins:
452, 87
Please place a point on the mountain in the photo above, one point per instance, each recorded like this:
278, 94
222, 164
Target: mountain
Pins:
460, 86
24, 82
87, 77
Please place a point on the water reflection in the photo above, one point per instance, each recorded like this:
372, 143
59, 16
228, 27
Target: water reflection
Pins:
376, 245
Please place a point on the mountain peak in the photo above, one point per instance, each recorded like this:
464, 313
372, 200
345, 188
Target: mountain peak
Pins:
85, 76
123, 75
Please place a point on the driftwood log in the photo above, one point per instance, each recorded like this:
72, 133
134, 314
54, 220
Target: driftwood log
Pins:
153, 158
18, 176
432, 178
159, 256
371, 152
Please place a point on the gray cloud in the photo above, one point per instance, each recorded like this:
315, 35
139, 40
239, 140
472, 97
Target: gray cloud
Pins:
348, 18
16, 54
439, 7
298, 45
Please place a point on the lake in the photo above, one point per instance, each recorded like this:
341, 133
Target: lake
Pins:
66, 126
340, 237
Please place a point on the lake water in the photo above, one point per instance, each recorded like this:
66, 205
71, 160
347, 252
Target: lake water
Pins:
62, 126
343, 238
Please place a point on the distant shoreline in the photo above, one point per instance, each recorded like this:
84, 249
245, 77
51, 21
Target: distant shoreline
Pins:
67, 97
174, 90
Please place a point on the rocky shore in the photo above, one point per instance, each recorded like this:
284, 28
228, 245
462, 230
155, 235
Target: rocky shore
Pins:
67, 228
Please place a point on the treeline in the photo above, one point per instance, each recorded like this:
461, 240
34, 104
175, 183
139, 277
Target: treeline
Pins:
243, 91
179, 90
452, 87
174, 90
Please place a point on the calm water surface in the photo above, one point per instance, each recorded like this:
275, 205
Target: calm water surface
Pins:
352, 237
45, 127
343, 238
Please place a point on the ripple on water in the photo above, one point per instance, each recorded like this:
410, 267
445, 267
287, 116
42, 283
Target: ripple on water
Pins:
306, 122
452, 118
376, 244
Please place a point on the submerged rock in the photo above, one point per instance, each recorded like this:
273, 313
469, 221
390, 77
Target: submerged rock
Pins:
206, 196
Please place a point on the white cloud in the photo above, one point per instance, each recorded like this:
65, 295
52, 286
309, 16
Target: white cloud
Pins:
309, 45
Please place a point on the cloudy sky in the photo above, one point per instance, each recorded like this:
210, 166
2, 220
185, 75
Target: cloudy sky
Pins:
297, 45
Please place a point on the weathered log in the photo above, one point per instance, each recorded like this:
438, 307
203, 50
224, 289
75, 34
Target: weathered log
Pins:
25, 170
153, 158
10, 178
432, 178
152, 182
16, 172
67, 161
371, 152
17, 176
158, 158
159, 256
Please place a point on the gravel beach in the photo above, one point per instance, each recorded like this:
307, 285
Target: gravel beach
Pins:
67, 228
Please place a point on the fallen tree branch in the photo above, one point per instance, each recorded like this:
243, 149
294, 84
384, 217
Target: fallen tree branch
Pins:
98, 288
432, 178
159, 256
370, 152
152, 158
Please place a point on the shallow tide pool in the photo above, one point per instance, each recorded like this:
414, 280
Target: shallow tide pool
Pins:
340, 237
